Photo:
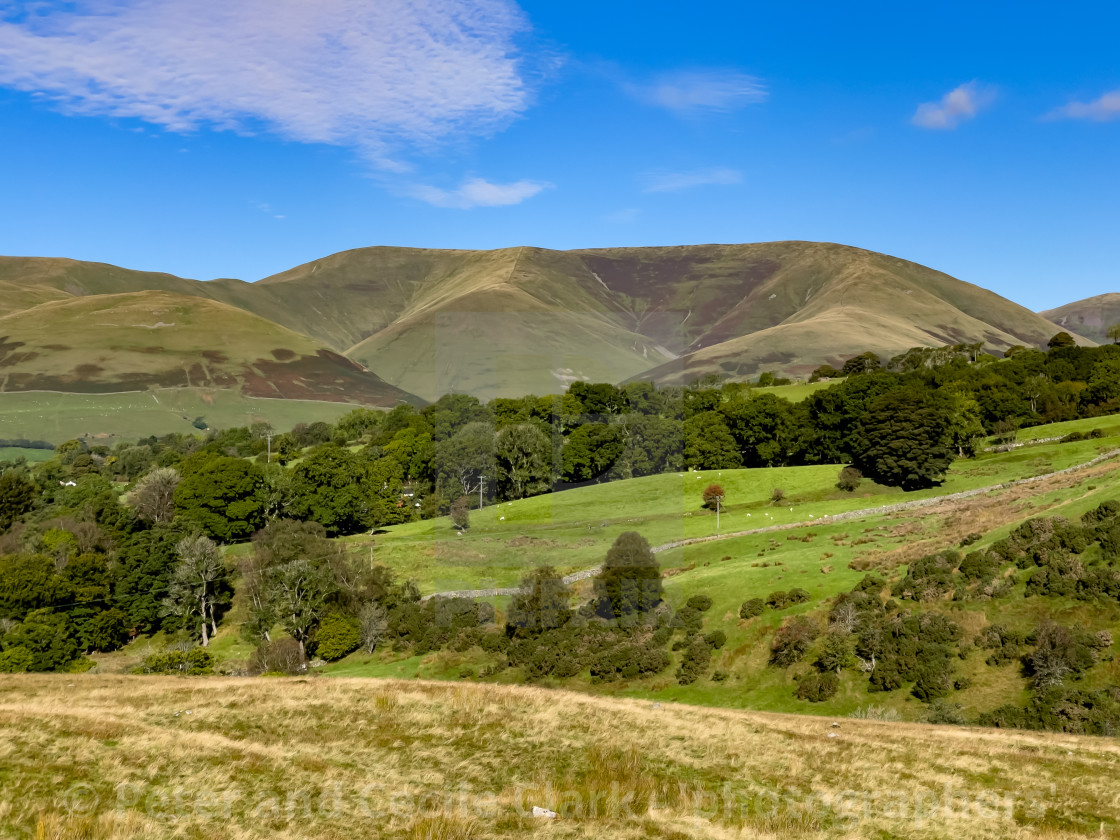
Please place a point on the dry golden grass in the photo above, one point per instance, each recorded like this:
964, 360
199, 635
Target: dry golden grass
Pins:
107, 758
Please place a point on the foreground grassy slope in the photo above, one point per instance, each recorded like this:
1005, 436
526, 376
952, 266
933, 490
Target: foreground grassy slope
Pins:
108, 418
108, 758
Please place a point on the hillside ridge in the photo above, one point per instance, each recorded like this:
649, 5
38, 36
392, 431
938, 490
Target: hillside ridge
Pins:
524, 319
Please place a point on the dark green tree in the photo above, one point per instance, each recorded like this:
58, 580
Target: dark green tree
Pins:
1060, 340
904, 440
329, 487
523, 456
225, 497
708, 445
18, 495
591, 451
48, 637
142, 575
629, 583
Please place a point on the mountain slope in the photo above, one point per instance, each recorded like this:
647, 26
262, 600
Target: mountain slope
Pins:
530, 320
1090, 317
135, 340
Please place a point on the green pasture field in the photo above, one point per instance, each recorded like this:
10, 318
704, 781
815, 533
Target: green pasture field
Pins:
108, 418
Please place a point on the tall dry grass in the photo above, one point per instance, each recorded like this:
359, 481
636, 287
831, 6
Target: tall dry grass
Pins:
108, 758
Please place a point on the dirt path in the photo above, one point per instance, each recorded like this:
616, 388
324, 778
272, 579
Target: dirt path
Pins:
823, 520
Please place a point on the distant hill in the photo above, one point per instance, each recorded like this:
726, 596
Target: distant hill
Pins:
103, 343
1090, 317
529, 320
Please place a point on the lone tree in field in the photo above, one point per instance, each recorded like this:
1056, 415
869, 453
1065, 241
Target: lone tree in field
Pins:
461, 513
713, 496
1113, 332
904, 440
629, 584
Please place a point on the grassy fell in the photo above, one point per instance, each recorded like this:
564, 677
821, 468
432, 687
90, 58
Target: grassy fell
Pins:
107, 758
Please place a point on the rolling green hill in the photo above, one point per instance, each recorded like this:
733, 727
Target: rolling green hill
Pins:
1090, 317
530, 320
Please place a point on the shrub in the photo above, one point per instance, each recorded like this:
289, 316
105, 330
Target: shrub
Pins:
716, 639
849, 479
190, 662
792, 641
1060, 652
713, 496
694, 664
461, 513
338, 635
752, 608
689, 619
817, 687
15, 660
777, 600
719, 676
798, 596
941, 711
700, 602
837, 653
282, 656
777, 495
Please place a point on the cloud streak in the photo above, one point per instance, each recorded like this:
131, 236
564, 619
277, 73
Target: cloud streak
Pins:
957, 106
1102, 109
368, 75
674, 181
478, 192
692, 92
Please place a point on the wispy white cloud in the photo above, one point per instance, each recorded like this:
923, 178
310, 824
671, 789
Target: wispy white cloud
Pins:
478, 192
364, 74
958, 105
690, 92
1102, 109
673, 181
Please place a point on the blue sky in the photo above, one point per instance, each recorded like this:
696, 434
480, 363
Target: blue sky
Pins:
217, 139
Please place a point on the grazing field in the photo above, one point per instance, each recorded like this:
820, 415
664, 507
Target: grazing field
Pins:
823, 558
110, 758
797, 391
107, 418
573, 529
13, 453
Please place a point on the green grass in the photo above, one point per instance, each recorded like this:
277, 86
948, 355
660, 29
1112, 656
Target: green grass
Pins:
797, 391
824, 559
12, 453
57, 417
1109, 424
572, 529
